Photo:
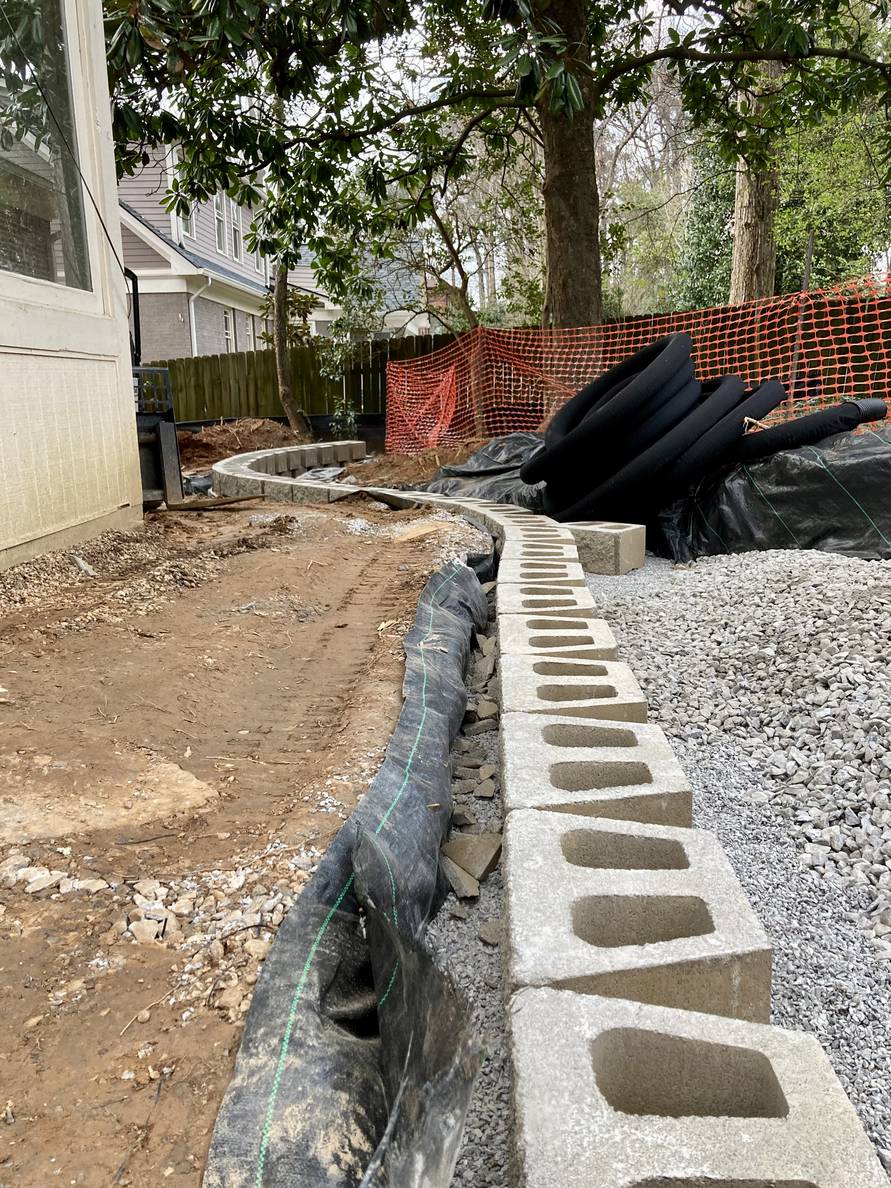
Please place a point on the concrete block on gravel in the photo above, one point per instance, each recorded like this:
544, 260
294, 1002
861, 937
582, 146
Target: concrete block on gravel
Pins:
626, 910
610, 548
523, 572
477, 853
593, 641
521, 550
574, 688
623, 771
624, 1095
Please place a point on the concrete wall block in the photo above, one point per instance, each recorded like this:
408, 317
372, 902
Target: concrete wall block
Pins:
358, 450
325, 455
309, 456
278, 490
610, 548
625, 1095
623, 771
521, 550
296, 460
522, 600
593, 641
307, 491
573, 688
524, 572
626, 910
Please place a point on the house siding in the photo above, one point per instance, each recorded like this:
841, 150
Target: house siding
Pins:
164, 320
144, 193
138, 255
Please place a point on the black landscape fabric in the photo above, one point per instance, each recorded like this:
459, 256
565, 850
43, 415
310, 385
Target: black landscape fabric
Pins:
493, 472
358, 1057
834, 496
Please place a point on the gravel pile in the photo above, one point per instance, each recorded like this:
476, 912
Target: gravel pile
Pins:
769, 672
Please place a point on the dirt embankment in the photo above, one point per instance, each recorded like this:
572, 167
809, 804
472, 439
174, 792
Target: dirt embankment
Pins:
215, 442
182, 736
384, 470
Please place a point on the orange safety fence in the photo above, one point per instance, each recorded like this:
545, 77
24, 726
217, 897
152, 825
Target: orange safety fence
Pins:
826, 345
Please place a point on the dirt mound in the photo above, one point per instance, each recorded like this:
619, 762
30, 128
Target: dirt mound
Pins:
214, 442
386, 470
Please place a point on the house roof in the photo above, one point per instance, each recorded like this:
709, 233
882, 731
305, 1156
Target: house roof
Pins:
202, 263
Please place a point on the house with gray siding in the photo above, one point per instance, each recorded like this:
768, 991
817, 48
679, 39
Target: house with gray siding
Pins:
201, 291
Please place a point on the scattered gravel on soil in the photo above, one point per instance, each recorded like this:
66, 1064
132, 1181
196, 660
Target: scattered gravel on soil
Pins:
769, 672
483, 1161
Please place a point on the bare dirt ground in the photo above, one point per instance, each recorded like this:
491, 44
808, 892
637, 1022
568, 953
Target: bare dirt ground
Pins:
395, 469
180, 738
214, 442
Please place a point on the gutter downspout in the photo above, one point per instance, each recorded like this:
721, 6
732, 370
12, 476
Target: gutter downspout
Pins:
192, 331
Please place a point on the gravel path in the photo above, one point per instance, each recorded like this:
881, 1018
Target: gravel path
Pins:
769, 672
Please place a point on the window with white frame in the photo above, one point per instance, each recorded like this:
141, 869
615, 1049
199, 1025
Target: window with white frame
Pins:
235, 223
187, 223
42, 228
219, 218
229, 330
250, 344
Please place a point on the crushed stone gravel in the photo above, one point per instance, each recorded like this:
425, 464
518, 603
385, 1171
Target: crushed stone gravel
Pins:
769, 672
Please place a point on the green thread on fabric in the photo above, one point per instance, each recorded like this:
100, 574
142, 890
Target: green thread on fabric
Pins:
773, 510
822, 461
323, 928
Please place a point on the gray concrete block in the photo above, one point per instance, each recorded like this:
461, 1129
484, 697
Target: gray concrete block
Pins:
358, 450
520, 550
645, 912
309, 455
524, 572
307, 491
624, 1095
279, 490
594, 640
521, 600
572, 688
325, 454
610, 548
624, 771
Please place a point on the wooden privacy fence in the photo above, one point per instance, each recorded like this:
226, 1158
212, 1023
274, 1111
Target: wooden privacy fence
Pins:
244, 384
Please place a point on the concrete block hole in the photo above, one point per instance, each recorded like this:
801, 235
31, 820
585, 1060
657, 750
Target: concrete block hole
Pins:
568, 734
556, 625
615, 921
561, 668
575, 692
590, 777
597, 850
559, 641
548, 603
670, 1076
555, 586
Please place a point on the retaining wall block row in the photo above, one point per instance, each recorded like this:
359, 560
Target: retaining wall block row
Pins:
610, 548
645, 912
623, 771
536, 570
518, 636
625, 1095
581, 689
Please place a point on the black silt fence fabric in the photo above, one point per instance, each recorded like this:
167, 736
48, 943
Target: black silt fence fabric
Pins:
834, 496
358, 1058
493, 472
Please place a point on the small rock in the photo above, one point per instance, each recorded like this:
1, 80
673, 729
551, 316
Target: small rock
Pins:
490, 932
486, 709
144, 932
476, 853
463, 815
93, 885
485, 790
458, 911
463, 884
31, 1023
143, 1016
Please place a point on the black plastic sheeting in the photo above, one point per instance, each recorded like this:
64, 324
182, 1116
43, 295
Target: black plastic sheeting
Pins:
834, 496
493, 472
358, 1057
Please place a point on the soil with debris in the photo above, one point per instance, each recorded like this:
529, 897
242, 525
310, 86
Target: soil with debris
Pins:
215, 442
182, 735
389, 470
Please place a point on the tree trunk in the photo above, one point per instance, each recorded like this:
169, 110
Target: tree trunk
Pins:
571, 200
282, 350
753, 271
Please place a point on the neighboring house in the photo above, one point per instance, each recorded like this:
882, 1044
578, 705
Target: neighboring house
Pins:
200, 291
69, 463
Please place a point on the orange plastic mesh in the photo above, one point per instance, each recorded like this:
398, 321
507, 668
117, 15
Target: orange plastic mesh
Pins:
826, 345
